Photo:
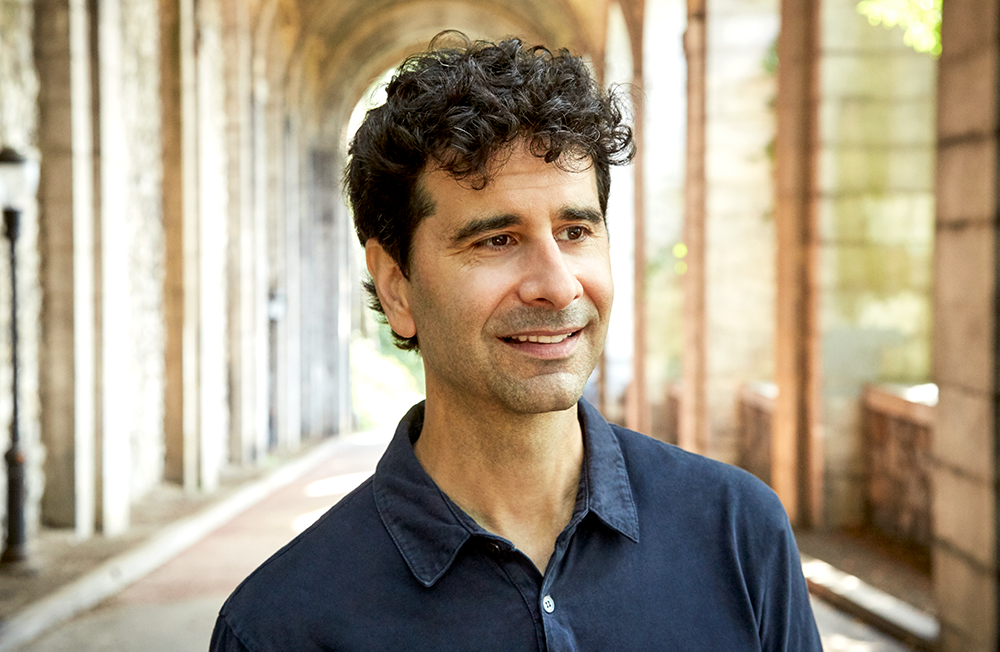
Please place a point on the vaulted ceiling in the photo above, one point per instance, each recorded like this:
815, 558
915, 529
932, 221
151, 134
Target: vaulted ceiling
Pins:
353, 42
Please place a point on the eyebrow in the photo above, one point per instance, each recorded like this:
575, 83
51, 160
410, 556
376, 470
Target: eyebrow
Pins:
573, 214
484, 225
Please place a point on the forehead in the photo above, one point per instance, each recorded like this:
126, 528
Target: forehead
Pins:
521, 183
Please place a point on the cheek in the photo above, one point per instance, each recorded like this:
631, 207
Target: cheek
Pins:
457, 301
598, 285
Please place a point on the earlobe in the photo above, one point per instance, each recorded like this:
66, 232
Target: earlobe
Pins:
392, 287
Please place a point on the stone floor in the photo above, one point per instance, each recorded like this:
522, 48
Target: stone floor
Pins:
900, 572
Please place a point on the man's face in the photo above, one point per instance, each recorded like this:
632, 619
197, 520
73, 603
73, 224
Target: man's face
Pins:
510, 286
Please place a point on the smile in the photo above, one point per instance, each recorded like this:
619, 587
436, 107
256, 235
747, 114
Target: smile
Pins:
541, 339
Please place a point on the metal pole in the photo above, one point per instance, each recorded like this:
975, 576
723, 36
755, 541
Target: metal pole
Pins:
15, 549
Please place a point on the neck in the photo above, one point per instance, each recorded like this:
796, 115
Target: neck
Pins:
515, 475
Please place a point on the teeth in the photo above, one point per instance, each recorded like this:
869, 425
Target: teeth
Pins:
541, 339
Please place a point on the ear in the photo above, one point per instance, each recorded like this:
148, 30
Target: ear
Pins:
393, 288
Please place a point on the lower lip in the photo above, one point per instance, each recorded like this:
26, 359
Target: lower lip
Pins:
551, 351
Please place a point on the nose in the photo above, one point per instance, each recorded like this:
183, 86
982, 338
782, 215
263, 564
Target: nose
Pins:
548, 280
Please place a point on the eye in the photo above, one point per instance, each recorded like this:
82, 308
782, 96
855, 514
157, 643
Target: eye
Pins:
572, 233
498, 241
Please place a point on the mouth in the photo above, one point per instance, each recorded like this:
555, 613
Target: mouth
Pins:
540, 339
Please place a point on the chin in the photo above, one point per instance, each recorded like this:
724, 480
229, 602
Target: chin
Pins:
541, 400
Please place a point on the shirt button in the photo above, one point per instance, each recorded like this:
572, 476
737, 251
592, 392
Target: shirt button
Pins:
548, 604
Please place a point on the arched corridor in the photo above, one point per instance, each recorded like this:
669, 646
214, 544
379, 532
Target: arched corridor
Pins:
809, 229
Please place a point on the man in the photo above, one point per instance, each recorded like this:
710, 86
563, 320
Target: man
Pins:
507, 514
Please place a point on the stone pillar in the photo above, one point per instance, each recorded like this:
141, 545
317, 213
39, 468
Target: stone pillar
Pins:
258, 291
322, 293
277, 257
796, 462
113, 264
638, 414
693, 421
180, 209
292, 403
967, 329
242, 388
211, 247
195, 203
68, 391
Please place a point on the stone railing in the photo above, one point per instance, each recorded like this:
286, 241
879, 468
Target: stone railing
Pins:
897, 425
754, 408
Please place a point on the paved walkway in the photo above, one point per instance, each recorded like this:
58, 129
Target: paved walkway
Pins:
174, 607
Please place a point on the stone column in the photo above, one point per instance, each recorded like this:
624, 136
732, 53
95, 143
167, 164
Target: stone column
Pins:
693, 421
967, 329
113, 264
68, 389
211, 247
322, 294
292, 404
237, 49
638, 415
259, 262
180, 208
277, 257
796, 464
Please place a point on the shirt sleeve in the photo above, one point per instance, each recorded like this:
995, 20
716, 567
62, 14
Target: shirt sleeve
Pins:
787, 622
224, 639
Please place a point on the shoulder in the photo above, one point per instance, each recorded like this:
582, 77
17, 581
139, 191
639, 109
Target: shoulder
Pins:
303, 586
668, 469
699, 494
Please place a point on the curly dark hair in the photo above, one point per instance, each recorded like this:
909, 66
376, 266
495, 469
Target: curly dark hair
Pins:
457, 107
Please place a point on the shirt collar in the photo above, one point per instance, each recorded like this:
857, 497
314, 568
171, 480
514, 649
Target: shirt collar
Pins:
429, 529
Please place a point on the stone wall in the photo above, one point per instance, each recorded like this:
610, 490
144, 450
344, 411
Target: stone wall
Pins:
18, 129
875, 230
740, 268
967, 330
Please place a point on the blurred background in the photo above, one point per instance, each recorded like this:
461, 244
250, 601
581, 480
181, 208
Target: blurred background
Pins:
805, 255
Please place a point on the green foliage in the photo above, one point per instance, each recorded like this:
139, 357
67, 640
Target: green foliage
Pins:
410, 360
770, 61
383, 383
920, 20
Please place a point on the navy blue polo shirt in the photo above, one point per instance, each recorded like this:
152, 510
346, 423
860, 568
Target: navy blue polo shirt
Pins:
665, 550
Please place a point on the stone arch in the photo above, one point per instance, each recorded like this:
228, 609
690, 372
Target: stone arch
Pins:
382, 41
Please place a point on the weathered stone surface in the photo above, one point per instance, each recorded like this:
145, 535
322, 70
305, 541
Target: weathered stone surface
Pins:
964, 309
141, 131
739, 259
965, 181
964, 421
966, 601
876, 215
962, 78
18, 129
